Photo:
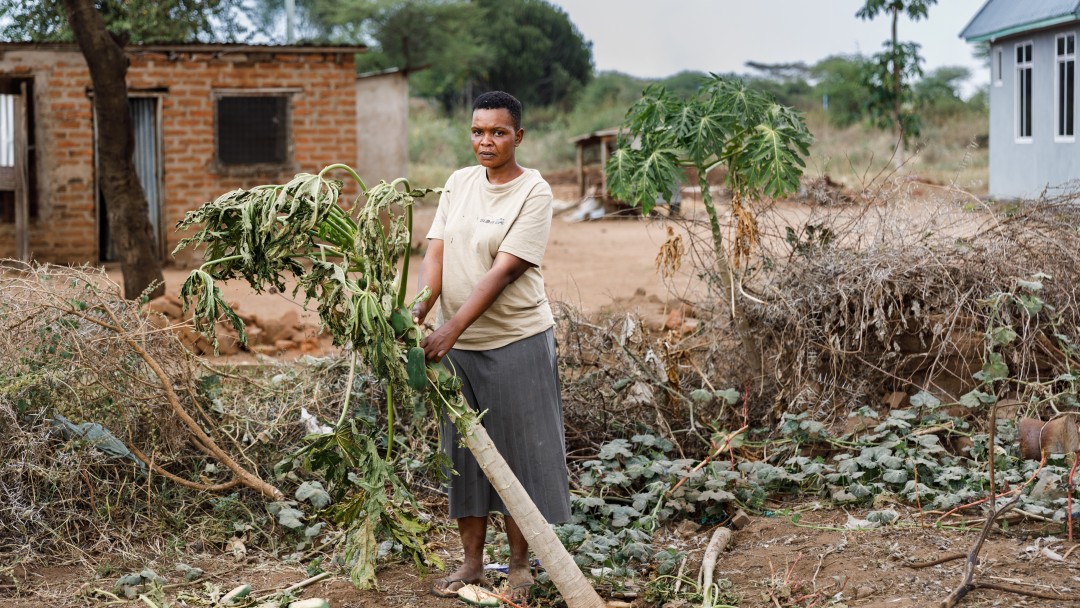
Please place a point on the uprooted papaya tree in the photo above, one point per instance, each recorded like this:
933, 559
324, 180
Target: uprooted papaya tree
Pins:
723, 124
347, 264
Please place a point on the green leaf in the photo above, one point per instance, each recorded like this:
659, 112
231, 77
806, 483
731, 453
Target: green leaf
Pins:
612, 450
925, 399
976, 398
701, 396
313, 492
993, 369
1030, 303
290, 518
730, 396
1002, 335
895, 476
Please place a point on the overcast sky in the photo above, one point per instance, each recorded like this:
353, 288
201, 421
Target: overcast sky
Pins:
657, 38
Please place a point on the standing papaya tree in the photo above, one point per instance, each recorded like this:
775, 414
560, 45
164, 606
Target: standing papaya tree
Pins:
889, 74
347, 263
723, 124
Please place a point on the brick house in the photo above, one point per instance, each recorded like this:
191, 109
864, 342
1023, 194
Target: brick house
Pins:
208, 118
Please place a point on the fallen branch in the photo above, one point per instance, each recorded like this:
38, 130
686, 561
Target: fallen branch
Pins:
968, 583
246, 477
719, 541
941, 560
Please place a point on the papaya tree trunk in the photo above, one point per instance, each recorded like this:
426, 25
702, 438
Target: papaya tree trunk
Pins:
560, 565
898, 105
725, 273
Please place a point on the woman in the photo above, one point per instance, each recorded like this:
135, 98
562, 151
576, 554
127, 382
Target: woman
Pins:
482, 266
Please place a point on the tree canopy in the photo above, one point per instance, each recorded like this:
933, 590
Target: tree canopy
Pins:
456, 48
540, 55
137, 21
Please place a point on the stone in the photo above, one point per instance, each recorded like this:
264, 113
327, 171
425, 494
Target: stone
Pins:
279, 328
740, 520
895, 400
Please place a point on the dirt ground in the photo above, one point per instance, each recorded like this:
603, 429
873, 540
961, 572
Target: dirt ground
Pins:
777, 560
589, 265
774, 561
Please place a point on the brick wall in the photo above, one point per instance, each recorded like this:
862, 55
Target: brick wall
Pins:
321, 86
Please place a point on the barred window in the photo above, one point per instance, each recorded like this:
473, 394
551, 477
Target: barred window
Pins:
252, 129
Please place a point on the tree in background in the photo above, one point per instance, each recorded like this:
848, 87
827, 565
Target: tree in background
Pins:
129, 216
785, 82
838, 78
134, 21
101, 28
436, 42
937, 94
539, 53
456, 48
891, 71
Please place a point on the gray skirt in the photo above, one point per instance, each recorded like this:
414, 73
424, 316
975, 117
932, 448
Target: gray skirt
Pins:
518, 386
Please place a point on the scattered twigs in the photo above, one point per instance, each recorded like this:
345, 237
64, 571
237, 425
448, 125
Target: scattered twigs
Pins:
292, 589
968, 583
1069, 552
247, 478
1069, 494
93, 398
1060, 597
941, 560
187, 483
723, 446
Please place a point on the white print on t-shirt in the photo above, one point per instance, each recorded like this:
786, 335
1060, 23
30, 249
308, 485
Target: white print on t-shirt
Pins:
499, 221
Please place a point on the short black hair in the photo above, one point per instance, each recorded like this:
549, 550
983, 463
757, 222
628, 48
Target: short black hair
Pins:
499, 100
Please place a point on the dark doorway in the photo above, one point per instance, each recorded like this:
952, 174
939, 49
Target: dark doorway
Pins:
146, 123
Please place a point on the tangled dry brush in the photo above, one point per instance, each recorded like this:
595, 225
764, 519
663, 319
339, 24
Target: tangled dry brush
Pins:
896, 291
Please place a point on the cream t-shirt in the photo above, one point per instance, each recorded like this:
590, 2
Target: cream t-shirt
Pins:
475, 221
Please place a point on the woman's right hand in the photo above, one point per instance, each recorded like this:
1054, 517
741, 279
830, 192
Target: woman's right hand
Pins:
439, 342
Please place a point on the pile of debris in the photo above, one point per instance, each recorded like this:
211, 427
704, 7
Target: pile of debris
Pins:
268, 333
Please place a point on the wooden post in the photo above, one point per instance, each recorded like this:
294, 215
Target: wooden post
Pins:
603, 167
22, 178
581, 169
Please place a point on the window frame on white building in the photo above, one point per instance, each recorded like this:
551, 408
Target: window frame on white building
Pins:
1025, 71
1065, 87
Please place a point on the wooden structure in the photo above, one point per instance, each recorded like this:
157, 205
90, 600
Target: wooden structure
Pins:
593, 151
14, 160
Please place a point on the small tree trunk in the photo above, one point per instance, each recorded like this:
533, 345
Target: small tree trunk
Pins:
129, 218
560, 565
898, 106
751, 350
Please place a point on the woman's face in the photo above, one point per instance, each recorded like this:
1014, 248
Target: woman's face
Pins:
494, 139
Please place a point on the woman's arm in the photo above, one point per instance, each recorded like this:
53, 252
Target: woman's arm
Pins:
506, 269
430, 277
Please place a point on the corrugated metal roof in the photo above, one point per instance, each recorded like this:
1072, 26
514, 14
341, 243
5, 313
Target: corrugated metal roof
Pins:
999, 18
